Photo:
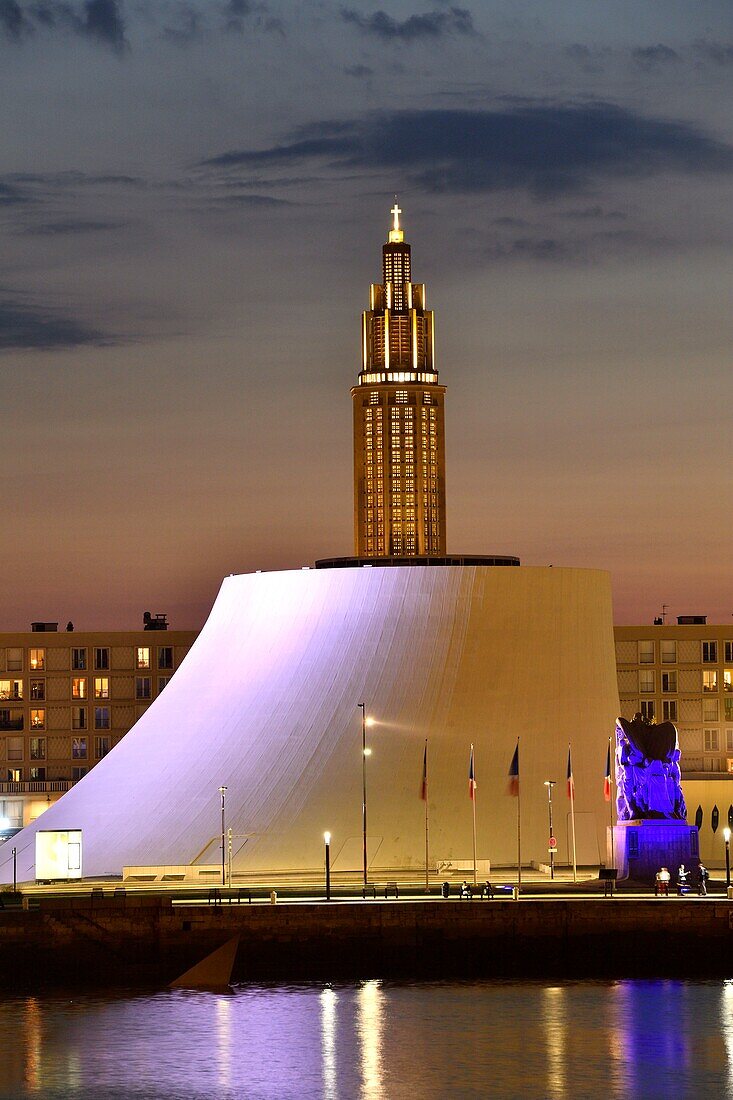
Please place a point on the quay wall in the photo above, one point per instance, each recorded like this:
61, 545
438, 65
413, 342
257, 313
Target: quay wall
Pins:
106, 942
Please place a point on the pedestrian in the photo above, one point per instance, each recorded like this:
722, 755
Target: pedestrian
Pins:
704, 876
683, 886
661, 886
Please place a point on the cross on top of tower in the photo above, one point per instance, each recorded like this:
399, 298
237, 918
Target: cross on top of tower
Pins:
396, 235
395, 212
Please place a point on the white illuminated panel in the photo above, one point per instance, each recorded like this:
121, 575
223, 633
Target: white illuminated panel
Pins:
58, 854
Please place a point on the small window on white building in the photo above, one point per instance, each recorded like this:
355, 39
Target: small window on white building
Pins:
710, 710
710, 679
646, 653
669, 681
669, 710
646, 707
668, 652
709, 653
646, 681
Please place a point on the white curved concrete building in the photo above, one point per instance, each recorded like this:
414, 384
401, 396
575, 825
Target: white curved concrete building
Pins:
266, 703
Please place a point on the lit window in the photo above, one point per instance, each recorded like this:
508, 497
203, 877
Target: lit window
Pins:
668, 652
709, 652
38, 690
101, 687
79, 660
38, 719
143, 657
11, 689
728, 679
374, 397
78, 748
101, 659
38, 774
37, 660
669, 681
710, 679
15, 775
646, 681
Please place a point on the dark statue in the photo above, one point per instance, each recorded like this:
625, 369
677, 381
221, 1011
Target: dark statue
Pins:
648, 771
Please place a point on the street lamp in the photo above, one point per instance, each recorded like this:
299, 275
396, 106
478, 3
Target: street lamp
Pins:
327, 840
365, 721
222, 792
550, 783
726, 838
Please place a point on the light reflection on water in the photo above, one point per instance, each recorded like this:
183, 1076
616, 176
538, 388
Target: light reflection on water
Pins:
374, 1039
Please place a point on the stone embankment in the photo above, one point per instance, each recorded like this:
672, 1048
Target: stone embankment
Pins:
134, 940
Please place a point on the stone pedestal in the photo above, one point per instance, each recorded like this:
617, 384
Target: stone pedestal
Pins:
640, 848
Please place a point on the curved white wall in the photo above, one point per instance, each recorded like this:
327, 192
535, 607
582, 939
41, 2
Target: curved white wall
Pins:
265, 702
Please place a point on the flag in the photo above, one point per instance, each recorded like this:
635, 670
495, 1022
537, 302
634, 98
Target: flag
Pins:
472, 784
424, 790
513, 786
607, 780
571, 781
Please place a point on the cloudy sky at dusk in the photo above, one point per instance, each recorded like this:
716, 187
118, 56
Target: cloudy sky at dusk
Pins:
193, 198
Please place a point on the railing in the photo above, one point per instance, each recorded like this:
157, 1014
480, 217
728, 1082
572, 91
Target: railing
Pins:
11, 724
37, 786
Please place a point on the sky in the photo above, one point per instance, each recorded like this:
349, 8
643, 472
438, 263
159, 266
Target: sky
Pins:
193, 199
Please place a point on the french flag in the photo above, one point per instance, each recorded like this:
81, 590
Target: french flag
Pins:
424, 790
607, 779
513, 785
472, 784
571, 781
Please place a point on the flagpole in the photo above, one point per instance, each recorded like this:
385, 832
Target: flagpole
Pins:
473, 808
572, 817
611, 768
519, 828
427, 832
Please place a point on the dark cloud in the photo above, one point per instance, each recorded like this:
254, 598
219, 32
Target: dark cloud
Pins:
68, 227
102, 20
545, 149
99, 20
13, 23
721, 53
650, 56
254, 200
594, 213
24, 326
430, 24
359, 71
530, 248
10, 195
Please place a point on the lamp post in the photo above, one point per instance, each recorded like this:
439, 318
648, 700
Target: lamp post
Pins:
222, 792
550, 783
15, 870
327, 841
364, 753
726, 837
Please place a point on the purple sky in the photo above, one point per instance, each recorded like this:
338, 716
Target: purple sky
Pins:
193, 197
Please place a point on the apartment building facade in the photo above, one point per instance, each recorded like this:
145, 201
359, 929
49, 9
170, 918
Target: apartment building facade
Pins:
66, 699
682, 673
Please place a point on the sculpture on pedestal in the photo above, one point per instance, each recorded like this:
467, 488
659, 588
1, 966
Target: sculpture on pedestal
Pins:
648, 771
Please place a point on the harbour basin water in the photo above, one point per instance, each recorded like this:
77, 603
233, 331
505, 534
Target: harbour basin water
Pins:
374, 1040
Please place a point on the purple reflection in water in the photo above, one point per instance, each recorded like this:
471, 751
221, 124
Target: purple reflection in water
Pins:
375, 1040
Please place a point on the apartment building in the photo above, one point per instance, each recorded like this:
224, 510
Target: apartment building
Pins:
683, 673
66, 699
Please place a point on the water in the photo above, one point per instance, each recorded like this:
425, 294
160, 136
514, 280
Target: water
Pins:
375, 1039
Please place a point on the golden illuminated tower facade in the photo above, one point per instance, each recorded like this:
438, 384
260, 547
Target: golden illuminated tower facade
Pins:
399, 436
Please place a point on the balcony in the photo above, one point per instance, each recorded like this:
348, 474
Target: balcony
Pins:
11, 723
37, 786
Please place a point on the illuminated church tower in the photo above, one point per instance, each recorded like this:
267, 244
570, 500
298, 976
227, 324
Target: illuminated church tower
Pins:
399, 436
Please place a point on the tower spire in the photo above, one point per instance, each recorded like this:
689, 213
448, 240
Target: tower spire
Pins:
396, 235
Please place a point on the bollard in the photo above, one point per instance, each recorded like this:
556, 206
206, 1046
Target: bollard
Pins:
730, 893
515, 893
273, 897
